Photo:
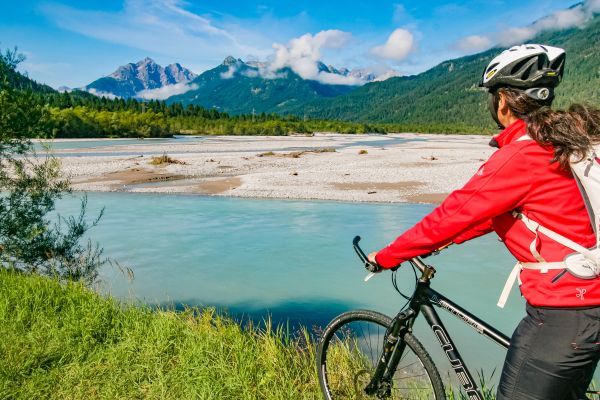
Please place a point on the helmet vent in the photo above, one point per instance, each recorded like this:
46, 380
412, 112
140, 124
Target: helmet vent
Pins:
558, 63
527, 72
519, 65
491, 67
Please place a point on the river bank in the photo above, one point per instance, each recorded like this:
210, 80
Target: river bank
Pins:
363, 168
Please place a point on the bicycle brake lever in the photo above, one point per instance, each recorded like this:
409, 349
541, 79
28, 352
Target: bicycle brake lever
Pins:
372, 274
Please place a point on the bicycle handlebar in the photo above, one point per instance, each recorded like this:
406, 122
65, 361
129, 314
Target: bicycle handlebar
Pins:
373, 268
369, 266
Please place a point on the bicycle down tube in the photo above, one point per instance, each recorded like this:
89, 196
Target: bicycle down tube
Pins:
432, 297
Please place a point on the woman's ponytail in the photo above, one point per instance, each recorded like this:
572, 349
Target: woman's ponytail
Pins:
570, 132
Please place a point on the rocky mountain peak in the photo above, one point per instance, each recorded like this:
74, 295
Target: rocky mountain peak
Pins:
145, 61
229, 60
142, 75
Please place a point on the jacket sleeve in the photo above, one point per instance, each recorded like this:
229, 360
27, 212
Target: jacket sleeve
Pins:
500, 185
479, 230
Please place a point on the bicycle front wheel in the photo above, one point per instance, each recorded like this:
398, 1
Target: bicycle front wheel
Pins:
348, 353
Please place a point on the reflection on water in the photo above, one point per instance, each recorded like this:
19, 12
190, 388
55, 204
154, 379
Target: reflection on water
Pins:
312, 313
290, 259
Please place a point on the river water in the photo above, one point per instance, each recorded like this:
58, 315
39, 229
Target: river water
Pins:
133, 147
292, 260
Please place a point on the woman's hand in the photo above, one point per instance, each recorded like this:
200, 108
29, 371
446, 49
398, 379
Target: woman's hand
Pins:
371, 257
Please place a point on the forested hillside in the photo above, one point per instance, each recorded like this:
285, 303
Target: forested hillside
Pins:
448, 94
239, 88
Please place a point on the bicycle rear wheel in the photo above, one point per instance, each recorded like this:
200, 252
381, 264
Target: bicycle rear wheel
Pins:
348, 354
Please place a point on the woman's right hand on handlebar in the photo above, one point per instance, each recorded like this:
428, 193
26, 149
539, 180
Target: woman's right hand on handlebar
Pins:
373, 261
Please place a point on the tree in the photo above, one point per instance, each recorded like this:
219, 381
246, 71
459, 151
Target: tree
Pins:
29, 188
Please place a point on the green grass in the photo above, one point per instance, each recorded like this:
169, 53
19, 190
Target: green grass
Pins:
63, 341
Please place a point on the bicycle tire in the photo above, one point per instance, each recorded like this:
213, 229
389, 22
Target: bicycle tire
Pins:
340, 345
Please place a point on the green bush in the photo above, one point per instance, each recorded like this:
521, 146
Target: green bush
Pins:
29, 188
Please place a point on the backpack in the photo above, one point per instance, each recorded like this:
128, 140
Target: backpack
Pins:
584, 263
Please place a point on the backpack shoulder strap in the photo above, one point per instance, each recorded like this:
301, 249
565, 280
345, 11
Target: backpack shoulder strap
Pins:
536, 227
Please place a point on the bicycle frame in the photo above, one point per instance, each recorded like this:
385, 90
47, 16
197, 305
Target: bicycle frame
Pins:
424, 299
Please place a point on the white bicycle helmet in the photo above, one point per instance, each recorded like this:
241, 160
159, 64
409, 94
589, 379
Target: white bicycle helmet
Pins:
532, 68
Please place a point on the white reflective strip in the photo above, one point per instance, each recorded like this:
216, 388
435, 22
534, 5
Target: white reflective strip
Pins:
509, 284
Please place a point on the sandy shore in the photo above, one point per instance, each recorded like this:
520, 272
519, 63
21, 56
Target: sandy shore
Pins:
375, 168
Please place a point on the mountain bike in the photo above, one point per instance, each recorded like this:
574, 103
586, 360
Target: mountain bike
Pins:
367, 355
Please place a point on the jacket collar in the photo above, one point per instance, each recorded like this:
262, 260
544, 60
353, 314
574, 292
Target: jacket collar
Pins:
510, 134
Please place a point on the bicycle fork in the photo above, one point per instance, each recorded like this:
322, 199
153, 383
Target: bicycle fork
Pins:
393, 349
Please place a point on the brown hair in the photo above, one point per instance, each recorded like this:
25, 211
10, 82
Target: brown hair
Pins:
570, 132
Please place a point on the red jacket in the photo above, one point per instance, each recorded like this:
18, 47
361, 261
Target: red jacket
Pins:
518, 175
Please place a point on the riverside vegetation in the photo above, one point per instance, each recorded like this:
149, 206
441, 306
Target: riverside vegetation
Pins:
62, 341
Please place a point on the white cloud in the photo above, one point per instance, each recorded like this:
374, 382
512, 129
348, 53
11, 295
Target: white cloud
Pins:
230, 72
387, 75
398, 46
250, 73
473, 43
98, 93
157, 26
559, 20
166, 91
302, 55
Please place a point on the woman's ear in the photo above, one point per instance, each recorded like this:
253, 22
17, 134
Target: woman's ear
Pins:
502, 108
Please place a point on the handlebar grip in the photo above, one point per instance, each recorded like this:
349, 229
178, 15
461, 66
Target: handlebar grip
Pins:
369, 266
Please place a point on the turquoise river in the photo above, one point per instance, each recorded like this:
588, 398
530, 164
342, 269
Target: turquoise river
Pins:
292, 260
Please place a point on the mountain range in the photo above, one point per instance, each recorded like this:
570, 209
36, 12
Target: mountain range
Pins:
131, 79
233, 77
239, 87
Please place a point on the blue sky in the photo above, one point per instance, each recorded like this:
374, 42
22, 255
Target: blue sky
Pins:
72, 43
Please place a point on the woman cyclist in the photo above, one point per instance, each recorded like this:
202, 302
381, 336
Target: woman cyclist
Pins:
554, 350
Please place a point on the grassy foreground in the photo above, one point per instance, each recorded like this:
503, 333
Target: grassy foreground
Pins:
66, 342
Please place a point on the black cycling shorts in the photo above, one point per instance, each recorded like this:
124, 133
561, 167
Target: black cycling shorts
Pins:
552, 355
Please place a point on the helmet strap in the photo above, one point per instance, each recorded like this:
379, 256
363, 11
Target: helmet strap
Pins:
493, 103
